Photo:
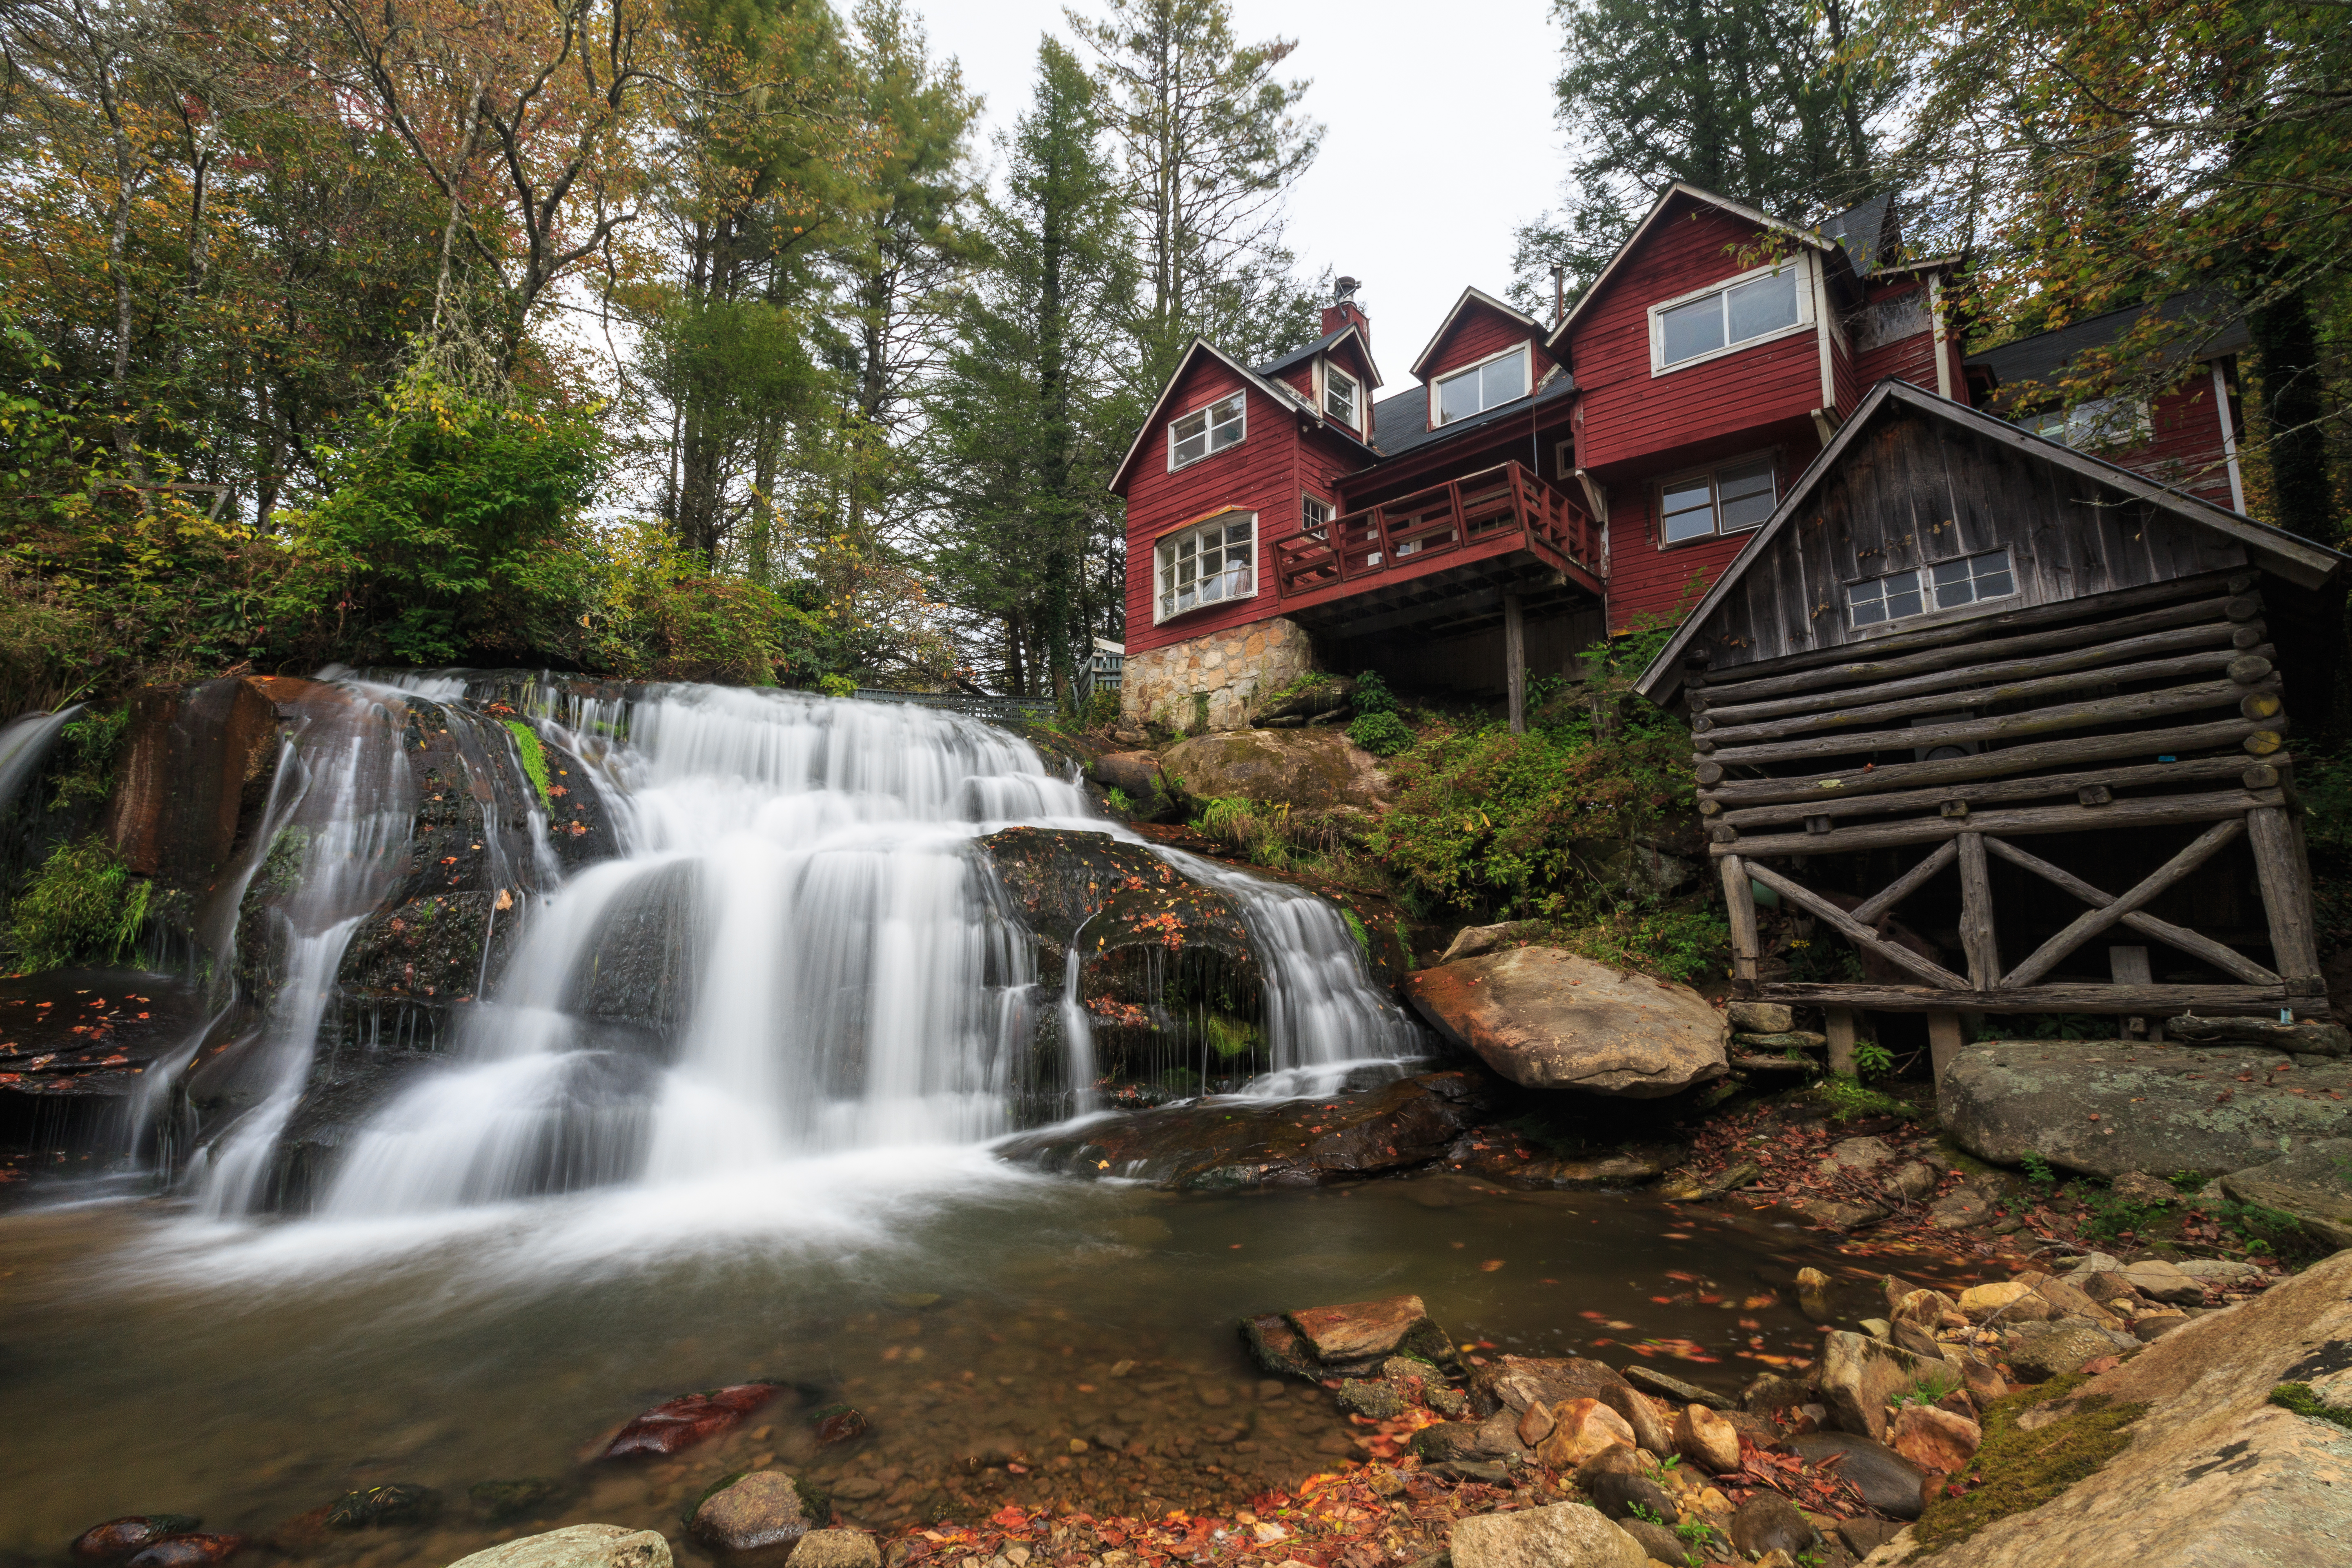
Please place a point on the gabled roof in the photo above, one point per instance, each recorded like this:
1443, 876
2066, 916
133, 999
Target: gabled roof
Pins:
2296, 559
1863, 230
1324, 345
1558, 337
1470, 297
1288, 396
2044, 356
1401, 421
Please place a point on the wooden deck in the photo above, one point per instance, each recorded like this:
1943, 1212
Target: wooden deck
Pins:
1465, 537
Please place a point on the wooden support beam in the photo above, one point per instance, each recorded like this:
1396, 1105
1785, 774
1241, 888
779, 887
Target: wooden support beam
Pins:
1861, 935
2043, 959
1943, 1042
1515, 662
2286, 879
2129, 966
1903, 887
2069, 996
1849, 784
1976, 796
2149, 811
2131, 707
2227, 960
1838, 1024
1739, 898
1977, 935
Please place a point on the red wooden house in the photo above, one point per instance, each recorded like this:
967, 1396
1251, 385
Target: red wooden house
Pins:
1533, 487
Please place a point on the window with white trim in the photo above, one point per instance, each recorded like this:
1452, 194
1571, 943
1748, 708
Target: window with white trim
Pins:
1209, 564
2094, 423
1205, 432
1945, 585
1757, 307
1340, 396
1489, 383
1314, 516
1729, 500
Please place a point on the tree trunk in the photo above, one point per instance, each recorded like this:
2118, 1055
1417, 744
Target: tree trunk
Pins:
2287, 343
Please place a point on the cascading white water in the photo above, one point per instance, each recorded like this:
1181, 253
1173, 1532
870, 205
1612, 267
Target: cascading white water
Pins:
23, 744
799, 952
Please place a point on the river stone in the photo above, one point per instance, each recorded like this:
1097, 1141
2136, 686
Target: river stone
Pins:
1476, 942
836, 1548
1313, 769
1618, 1492
691, 1418
1581, 1428
1760, 1018
188, 1552
579, 1546
119, 1538
1137, 775
1707, 1439
2308, 1037
1936, 1440
1770, 1522
2107, 1107
1563, 1535
1546, 1018
1515, 1382
1859, 1376
1360, 1330
1888, 1482
2040, 1351
1962, 1208
1663, 1544
1675, 1388
2311, 1182
761, 1509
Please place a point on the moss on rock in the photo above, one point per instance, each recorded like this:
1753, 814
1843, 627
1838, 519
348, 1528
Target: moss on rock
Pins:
2018, 1469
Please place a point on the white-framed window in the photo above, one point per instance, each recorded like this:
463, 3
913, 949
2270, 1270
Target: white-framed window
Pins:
2092, 424
1341, 396
1314, 516
1727, 499
1489, 383
1768, 302
1205, 432
1945, 585
1207, 564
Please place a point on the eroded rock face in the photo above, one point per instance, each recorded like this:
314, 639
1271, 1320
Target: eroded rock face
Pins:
2311, 1182
1545, 1018
1313, 769
195, 759
2107, 1107
75, 1047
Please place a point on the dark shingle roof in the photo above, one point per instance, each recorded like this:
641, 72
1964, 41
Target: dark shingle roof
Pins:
1277, 366
1860, 229
1398, 421
2046, 355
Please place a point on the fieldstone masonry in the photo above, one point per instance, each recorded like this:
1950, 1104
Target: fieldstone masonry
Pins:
1212, 682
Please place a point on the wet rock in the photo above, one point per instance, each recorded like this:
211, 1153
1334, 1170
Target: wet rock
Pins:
1859, 1376
1863, 1536
1476, 942
1833, 1214
1813, 1294
579, 1546
1663, 1544
1769, 1392
1446, 1440
1770, 1522
1490, 1472
2040, 1351
69, 1071
1382, 1401
1925, 1308
1859, 1155
1496, 1158
119, 1538
1581, 1428
747, 1513
2139, 1187
1347, 1341
500, 1501
195, 761
2311, 1182
1137, 776
1618, 1492
2160, 1282
1546, 1018
1517, 1383
1705, 1438
1314, 769
681, 1424
1651, 1380
2105, 1109
1760, 1018
1563, 1535
1294, 1144
1887, 1481
2069, 1299
393, 1503
838, 1423
1962, 1208
1936, 1440
836, 1548
187, 1552
2307, 1037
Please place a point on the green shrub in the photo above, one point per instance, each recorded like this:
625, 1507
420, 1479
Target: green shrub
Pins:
90, 742
1687, 946
1117, 799
1872, 1059
838, 686
1383, 735
82, 907
1372, 694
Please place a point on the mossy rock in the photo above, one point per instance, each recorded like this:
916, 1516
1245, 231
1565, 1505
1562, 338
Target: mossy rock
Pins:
2018, 1470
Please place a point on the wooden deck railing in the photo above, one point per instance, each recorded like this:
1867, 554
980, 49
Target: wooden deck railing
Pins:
1400, 536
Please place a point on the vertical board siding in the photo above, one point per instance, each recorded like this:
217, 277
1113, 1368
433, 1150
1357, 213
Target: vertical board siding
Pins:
1479, 330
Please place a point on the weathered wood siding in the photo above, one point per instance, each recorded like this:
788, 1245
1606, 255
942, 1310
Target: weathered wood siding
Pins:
1908, 494
1479, 330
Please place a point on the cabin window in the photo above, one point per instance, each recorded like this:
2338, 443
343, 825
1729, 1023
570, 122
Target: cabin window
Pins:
1208, 565
1205, 432
1488, 384
1314, 516
1762, 305
1340, 396
1729, 500
2090, 425
1945, 585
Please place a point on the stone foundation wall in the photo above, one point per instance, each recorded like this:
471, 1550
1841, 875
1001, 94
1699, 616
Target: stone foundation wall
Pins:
1210, 682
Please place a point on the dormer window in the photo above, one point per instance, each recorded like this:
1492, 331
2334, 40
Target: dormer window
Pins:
1205, 432
1340, 396
1764, 304
1489, 383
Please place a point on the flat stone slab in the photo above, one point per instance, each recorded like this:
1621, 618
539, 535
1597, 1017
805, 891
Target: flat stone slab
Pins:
2108, 1107
581, 1546
2311, 1182
1359, 1328
1545, 1018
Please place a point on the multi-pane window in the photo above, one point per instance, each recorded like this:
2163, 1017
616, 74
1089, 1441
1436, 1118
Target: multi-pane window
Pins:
2100, 422
1726, 318
1945, 585
1725, 500
1340, 396
1482, 387
1314, 516
1208, 565
1205, 432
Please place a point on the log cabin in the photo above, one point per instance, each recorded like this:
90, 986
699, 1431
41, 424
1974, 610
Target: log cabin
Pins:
1534, 488
2032, 700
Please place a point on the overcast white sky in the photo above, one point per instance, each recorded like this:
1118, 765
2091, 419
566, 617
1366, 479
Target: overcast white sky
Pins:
1438, 139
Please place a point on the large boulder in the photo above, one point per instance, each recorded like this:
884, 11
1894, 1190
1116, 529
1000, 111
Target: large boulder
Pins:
2311, 1182
2211, 1471
195, 761
2107, 1107
1545, 1018
1351, 1340
1860, 1377
1137, 776
580, 1546
1313, 769
1563, 1535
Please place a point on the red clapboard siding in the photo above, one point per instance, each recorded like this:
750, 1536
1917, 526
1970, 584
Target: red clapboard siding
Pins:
1261, 474
1302, 376
1479, 330
1646, 580
1629, 414
1351, 358
2186, 449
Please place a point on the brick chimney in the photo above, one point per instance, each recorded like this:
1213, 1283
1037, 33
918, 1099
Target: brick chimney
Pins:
1343, 311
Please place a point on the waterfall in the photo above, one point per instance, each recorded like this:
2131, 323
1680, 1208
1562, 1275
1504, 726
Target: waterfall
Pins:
800, 950
23, 745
